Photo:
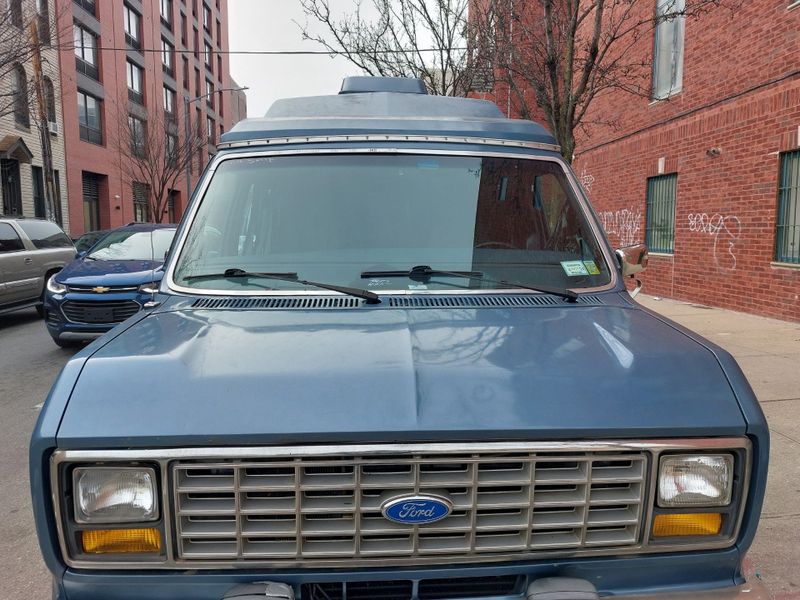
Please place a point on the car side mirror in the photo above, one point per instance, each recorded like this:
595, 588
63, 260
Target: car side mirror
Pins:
80, 254
633, 260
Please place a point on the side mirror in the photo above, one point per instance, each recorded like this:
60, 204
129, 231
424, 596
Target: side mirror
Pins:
80, 254
633, 259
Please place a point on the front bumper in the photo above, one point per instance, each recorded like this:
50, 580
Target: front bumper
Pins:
61, 327
709, 575
751, 590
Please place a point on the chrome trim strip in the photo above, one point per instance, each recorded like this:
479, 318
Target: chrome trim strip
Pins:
200, 191
391, 138
166, 455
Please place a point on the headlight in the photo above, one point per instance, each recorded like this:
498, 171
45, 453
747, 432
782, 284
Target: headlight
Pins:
149, 288
54, 287
115, 495
705, 480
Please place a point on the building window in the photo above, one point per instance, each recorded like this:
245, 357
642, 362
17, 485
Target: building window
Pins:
19, 92
171, 149
196, 43
132, 21
169, 103
15, 8
43, 21
90, 124
206, 18
166, 13
219, 68
787, 247
50, 103
167, 57
219, 34
39, 202
211, 131
662, 192
171, 205
207, 55
196, 81
136, 128
91, 201
86, 52
185, 63
668, 48
209, 93
183, 30
141, 205
135, 85
87, 5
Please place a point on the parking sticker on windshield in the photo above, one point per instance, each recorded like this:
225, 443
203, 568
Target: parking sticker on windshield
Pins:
591, 267
574, 268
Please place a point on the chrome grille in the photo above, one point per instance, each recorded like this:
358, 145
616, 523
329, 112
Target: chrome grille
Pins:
306, 509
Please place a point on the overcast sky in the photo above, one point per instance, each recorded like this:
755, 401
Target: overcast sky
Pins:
267, 25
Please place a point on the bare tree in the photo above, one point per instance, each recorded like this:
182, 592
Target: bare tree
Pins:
153, 156
558, 56
18, 47
429, 39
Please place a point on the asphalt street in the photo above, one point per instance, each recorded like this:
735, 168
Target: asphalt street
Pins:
768, 351
29, 362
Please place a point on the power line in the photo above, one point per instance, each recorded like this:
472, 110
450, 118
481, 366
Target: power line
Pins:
265, 52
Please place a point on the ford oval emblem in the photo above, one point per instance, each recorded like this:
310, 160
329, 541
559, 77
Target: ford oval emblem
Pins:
416, 510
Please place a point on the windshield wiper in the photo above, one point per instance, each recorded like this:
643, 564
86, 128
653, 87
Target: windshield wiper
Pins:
424, 272
369, 297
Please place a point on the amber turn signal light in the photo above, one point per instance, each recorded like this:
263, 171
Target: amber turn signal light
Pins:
121, 541
687, 524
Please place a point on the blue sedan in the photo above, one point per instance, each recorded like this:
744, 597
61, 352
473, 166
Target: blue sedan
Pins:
107, 284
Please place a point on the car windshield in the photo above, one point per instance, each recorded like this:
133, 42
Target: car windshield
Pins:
133, 245
366, 220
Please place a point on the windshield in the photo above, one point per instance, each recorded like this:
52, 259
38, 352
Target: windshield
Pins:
133, 245
341, 218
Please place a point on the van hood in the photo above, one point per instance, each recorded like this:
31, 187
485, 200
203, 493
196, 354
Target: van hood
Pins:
239, 377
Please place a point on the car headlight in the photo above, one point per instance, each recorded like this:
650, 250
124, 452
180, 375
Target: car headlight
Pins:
695, 480
115, 494
54, 287
149, 288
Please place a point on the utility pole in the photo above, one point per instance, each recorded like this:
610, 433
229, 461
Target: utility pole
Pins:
44, 129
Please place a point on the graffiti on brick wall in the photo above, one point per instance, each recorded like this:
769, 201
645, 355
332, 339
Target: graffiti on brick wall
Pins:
624, 223
587, 179
725, 231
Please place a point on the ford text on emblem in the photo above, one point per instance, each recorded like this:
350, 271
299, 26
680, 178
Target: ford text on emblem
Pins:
416, 510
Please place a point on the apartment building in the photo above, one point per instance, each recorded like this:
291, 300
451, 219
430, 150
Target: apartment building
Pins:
706, 170
29, 131
135, 61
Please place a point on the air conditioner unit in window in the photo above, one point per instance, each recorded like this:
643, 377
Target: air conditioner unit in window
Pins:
52, 126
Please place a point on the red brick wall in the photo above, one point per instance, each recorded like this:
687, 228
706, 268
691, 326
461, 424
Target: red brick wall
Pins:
740, 97
116, 196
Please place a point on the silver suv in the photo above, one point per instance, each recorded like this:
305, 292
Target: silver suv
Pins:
31, 251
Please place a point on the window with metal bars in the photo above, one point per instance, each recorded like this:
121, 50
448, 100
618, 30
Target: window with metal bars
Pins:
787, 239
662, 192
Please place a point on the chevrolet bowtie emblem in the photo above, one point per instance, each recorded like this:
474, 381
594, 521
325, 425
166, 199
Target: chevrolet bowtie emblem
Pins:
100, 289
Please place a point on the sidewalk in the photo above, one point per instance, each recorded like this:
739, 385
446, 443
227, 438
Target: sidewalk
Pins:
768, 351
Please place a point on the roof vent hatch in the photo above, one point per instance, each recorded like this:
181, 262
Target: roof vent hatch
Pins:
395, 85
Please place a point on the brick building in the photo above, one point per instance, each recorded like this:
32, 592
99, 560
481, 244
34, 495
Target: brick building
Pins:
135, 60
707, 170
23, 171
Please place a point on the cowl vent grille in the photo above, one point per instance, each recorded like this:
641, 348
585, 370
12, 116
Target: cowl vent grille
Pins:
278, 303
420, 301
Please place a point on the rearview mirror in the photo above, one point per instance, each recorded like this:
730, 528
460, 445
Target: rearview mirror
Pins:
633, 259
